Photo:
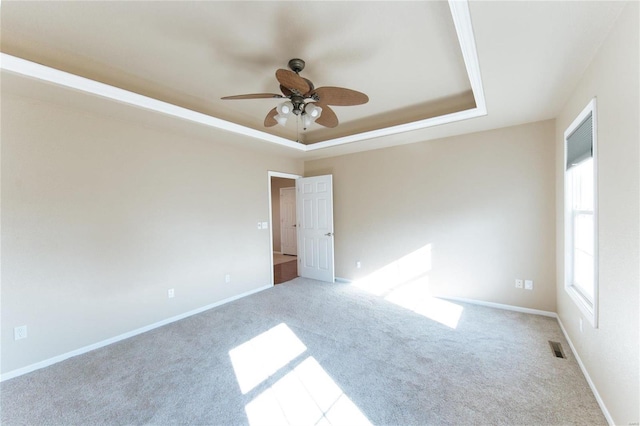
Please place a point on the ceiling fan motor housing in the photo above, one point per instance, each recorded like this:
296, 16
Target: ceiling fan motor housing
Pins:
296, 65
298, 104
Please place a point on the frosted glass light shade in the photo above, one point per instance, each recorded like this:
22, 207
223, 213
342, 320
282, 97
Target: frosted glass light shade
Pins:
285, 108
307, 120
313, 111
281, 119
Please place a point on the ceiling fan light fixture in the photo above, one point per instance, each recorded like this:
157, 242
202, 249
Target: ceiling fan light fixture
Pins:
285, 108
302, 96
310, 114
313, 111
281, 119
284, 111
307, 120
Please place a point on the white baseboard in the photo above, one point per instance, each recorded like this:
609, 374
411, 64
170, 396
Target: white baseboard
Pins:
501, 306
603, 407
480, 302
85, 349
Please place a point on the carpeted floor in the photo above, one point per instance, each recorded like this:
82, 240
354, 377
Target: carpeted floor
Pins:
306, 352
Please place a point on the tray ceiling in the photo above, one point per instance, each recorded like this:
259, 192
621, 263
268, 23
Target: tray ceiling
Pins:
416, 60
405, 56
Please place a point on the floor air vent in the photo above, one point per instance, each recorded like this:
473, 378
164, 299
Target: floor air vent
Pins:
556, 348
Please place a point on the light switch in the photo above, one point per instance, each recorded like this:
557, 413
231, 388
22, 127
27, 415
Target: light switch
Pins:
265, 225
259, 225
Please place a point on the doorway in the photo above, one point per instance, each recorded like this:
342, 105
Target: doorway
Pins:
284, 260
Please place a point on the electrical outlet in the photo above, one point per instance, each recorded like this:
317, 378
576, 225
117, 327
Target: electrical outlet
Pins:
227, 278
519, 283
171, 293
528, 284
358, 265
20, 333
265, 225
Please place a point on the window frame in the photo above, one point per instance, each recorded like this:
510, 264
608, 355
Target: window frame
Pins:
588, 308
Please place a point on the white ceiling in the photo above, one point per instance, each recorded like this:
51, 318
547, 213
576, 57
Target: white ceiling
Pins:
404, 55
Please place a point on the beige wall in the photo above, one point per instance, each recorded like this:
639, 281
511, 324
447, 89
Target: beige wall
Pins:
610, 353
100, 217
276, 185
484, 203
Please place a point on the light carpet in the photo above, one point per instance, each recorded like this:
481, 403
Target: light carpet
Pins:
306, 352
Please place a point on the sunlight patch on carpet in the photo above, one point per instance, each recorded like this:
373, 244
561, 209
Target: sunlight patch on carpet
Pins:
415, 297
257, 359
305, 395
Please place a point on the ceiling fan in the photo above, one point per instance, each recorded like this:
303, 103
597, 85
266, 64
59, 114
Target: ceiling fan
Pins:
304, 100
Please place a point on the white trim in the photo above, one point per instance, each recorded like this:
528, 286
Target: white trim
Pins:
271, 174
283, 175
589, 311
481, 303
48, 362
500, 306
591, 106
52, 75
464, 31
603, 407
401, 128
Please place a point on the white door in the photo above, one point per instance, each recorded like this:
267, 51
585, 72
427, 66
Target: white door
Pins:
315, 227
288, 239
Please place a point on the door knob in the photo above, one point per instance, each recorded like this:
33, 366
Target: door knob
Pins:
329, 234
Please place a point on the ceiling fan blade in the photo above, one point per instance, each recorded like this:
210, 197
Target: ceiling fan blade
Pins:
311, 87
328, 118
292, 81
285, 91
269, 120
340, 96
254, 96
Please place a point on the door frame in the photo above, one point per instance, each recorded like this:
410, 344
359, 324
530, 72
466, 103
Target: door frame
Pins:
271, 174
287, 192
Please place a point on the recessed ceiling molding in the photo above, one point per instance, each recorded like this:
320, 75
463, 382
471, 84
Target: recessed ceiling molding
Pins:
402, 128
62, 78
464, 30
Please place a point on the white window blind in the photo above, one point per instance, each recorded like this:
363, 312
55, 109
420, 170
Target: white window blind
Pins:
580, 143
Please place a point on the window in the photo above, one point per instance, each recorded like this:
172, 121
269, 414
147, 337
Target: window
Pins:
580, 198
